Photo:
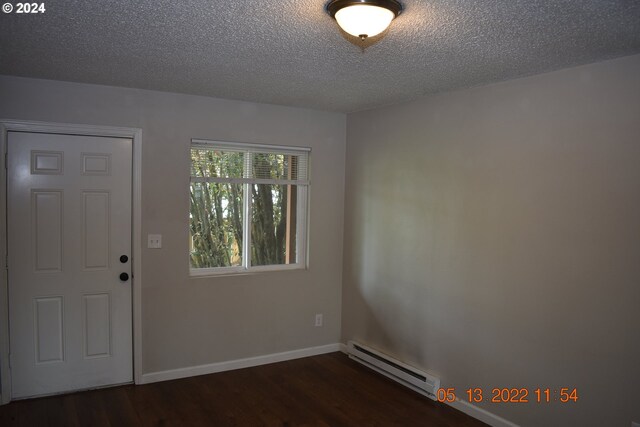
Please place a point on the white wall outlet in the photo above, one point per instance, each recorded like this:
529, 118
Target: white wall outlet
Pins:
319, 319
154, 241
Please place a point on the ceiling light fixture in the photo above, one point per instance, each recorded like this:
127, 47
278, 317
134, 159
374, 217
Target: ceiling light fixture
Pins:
364, 18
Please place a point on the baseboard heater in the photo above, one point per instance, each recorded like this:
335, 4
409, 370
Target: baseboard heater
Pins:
406, 375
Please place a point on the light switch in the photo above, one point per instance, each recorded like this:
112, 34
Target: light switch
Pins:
154, 241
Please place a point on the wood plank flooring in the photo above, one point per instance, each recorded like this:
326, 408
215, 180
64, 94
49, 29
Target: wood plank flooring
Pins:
326, 390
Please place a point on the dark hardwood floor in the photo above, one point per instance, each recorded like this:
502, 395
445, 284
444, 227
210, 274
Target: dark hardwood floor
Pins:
326, 390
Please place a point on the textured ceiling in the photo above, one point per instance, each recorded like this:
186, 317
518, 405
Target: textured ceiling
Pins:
290, 52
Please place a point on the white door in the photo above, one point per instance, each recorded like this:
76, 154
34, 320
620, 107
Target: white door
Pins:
69, 241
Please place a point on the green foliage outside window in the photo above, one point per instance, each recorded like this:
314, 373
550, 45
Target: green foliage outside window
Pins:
217, 206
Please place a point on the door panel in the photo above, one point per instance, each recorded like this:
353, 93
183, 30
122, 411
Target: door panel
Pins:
96, 229
69, 221
48, 330
97, 325
46, 229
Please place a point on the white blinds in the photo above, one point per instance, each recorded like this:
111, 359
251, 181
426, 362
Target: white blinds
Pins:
246, 163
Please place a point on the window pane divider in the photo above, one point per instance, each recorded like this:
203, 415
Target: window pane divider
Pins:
246, 218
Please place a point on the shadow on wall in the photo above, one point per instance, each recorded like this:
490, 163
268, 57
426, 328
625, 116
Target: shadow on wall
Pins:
382, 317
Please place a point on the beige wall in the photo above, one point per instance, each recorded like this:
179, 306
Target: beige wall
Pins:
492, 236
189, 322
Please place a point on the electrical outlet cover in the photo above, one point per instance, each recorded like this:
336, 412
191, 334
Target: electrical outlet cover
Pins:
154, 241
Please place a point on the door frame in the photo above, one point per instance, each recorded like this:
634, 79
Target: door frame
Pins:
135, 135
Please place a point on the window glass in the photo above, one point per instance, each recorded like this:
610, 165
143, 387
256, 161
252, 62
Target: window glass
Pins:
247, 207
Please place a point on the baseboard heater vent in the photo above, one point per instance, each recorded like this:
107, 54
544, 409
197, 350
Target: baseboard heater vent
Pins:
406, 375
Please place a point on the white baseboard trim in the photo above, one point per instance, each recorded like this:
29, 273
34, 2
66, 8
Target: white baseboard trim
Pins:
230, 365
481, 414
344, 348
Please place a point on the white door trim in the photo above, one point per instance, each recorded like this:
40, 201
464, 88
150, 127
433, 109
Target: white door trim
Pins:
64, 128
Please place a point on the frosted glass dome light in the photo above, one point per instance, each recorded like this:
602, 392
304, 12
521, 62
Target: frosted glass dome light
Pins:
364, 18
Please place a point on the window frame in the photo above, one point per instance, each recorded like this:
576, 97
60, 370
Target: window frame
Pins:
302, 203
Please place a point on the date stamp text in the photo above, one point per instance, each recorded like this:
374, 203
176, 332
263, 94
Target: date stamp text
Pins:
509, 395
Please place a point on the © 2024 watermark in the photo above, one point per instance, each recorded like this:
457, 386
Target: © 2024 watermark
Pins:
24, 8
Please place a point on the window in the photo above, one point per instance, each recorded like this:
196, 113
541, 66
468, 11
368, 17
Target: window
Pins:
247, 207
